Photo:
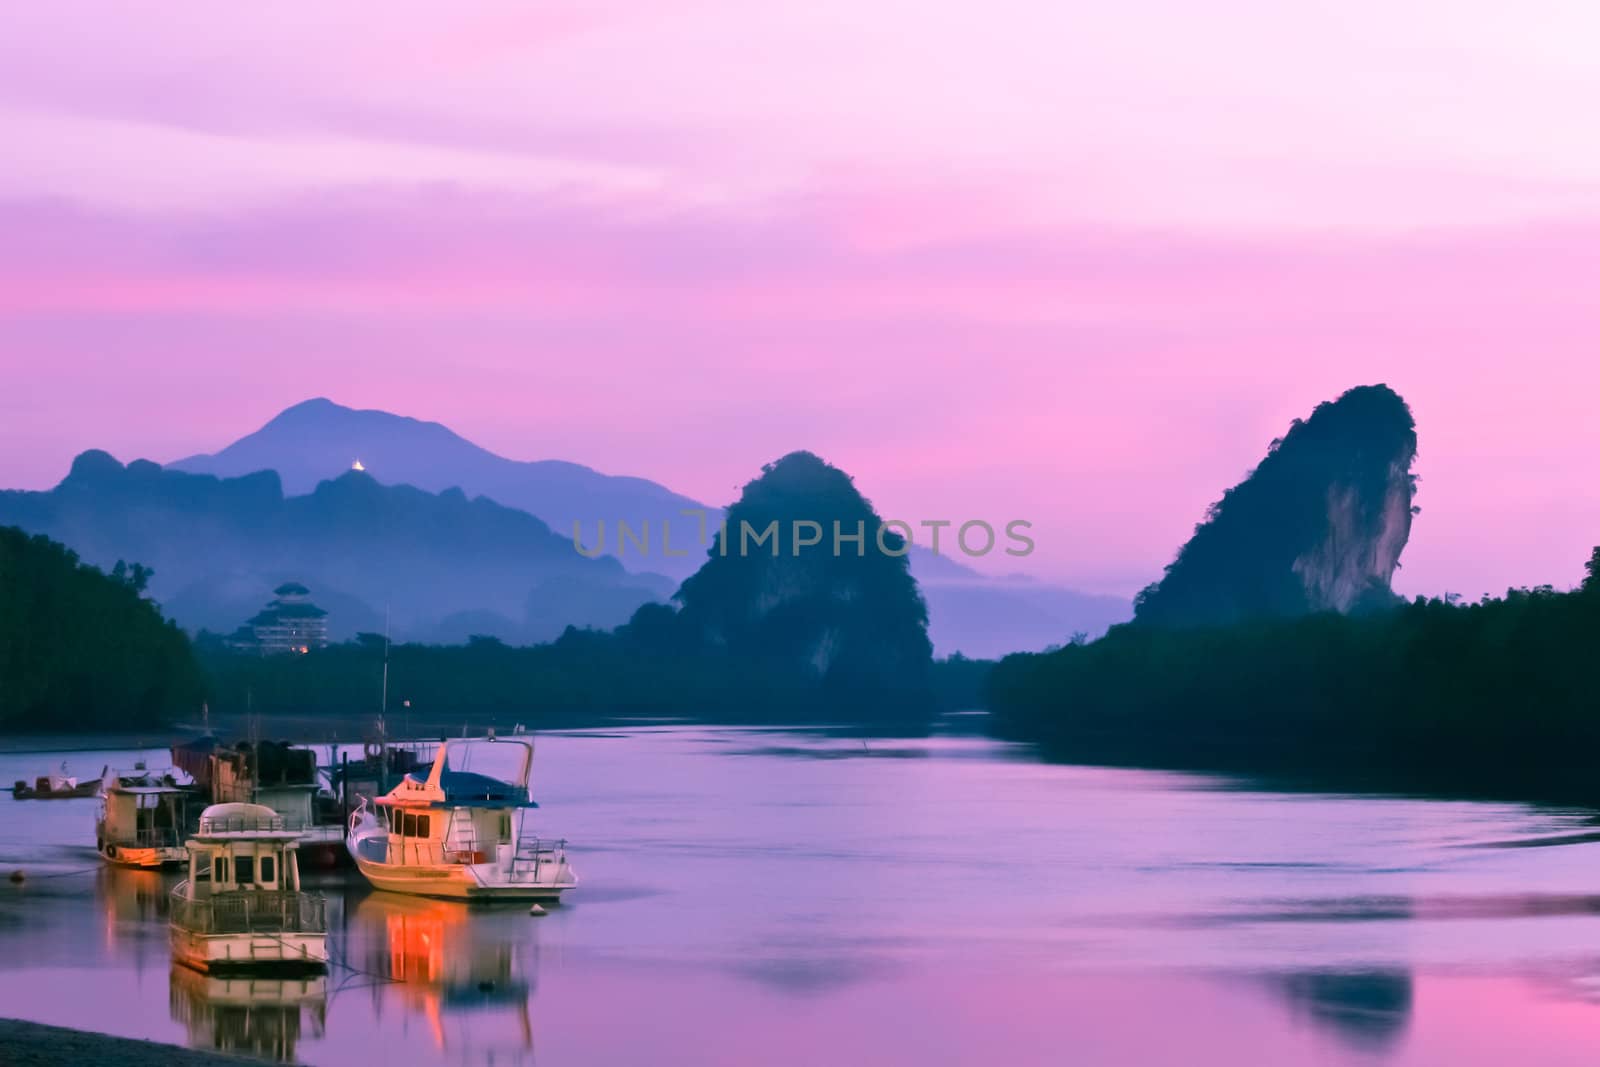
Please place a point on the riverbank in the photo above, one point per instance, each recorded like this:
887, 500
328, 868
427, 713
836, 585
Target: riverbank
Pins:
25, 1044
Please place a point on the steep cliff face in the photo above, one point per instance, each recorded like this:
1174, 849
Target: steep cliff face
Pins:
1318, 526
848, 615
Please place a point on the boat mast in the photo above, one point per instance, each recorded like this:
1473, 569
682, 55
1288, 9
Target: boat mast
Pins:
383, 705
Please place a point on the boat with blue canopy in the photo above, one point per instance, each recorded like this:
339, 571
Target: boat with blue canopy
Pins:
459, 829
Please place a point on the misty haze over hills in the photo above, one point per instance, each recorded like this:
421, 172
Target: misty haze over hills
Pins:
448, 566
319, 439
452, 538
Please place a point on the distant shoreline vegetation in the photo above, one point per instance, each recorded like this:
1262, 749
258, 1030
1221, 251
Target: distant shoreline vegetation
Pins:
584, 676
1474, 696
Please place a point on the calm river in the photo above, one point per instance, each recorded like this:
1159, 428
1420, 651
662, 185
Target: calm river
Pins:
792, 898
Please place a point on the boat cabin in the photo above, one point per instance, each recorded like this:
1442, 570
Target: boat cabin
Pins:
242, 847
445, 835
463, 808
241, 906
143, 816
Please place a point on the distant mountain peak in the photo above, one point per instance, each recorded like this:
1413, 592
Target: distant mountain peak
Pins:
92, 464
323, 412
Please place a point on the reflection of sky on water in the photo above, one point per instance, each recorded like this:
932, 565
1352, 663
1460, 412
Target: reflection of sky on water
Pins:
758, 896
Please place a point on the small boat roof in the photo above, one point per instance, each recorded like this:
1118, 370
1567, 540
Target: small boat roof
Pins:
241, 822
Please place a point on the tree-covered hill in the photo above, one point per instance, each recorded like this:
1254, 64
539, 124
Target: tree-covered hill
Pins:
1319, 525
845, 613
82, 650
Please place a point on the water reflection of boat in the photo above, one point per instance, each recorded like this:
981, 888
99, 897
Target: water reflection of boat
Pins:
241, 908
1369, 1010
459, 831
252, 1015
142, 817
447, 963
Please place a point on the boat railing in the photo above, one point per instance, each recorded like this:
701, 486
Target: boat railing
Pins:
244, 911
240, 823
534, 852
530, 852
420, 852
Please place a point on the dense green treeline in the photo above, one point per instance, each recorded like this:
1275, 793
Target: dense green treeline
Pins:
583, 675
1504, 687
84, 650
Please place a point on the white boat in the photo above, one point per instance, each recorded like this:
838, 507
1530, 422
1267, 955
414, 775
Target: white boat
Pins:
142, 817
241, 909
460, 831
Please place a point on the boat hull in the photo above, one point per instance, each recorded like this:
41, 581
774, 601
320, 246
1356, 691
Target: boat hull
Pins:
143, 859
254, 953
460, 881
26, 792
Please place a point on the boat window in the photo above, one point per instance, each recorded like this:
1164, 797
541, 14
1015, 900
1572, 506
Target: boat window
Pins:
268, 875
244, 869
409, 825
505, 826
422, 826
219, 869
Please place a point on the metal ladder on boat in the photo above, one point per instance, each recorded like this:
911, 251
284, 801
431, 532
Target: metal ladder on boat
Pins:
460, 835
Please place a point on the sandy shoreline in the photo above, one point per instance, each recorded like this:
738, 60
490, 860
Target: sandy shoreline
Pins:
28, 1044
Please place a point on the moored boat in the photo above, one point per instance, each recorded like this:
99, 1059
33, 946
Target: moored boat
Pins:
143, 816
61, 786
460, 831
242, 908
282, 776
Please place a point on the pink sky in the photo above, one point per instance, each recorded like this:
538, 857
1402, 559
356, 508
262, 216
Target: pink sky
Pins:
1022, 259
